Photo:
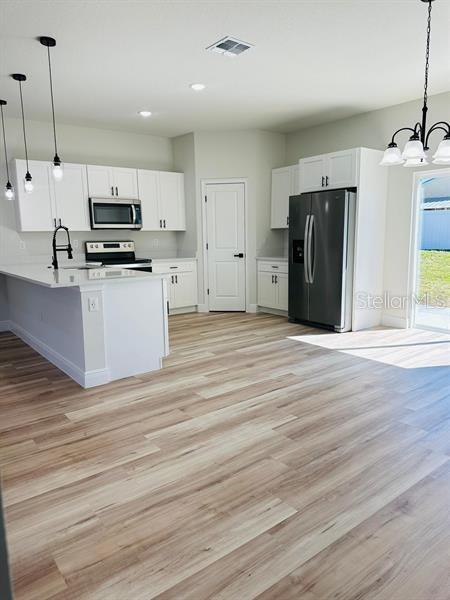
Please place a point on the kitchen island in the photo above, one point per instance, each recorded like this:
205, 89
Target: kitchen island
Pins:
97, 324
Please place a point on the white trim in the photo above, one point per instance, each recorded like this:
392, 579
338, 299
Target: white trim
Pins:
5, 325
202, 308
252, 308
418, 176
272, 311
203, 184
182, 310
392, 321
85, 378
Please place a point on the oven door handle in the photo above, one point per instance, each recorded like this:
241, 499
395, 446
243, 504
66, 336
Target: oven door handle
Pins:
133, 212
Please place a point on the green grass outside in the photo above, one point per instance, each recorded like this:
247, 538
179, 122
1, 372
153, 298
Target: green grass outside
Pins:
434, 277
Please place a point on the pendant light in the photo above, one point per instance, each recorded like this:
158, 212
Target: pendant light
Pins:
414, 153
28, 185
57, 170
9, 191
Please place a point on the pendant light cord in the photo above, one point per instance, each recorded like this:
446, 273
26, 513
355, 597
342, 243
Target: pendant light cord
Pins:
427, 54
51, 96
23, 125
4, 143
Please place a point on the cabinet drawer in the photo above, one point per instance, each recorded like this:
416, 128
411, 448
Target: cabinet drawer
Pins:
273, 267
173, 267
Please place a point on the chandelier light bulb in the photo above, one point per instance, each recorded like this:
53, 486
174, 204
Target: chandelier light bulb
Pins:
416, 162
442, 154
414, 150
392, 156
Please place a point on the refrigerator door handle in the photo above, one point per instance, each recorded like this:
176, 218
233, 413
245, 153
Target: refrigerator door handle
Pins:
310, 249
305, 249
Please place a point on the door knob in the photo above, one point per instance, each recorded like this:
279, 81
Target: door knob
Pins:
240, 255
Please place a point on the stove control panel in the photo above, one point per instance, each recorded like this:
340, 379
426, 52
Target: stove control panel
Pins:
95, 247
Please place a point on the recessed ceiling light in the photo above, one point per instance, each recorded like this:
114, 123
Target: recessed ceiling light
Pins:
198, 87
145, 113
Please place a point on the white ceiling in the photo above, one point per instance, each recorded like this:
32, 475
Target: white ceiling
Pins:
313, 61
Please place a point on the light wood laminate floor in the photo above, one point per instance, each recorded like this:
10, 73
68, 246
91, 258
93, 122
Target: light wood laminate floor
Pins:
266, 460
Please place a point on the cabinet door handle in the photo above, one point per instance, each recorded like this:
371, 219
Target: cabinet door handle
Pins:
164, 221
160, 223
272, 278
176, 278
173, 267
112, 190
287, 220
117, 191
326, 181
276, 278
323, 181
54, 222
171, 278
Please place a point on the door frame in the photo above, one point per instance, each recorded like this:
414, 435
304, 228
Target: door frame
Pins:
204, 183
418, 176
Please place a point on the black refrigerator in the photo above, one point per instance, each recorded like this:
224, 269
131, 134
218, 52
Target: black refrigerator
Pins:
321, 245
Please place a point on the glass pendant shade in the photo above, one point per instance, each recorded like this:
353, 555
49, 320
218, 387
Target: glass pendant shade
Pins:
392, 156
9, 191
442, 154
416, 162
57, 172
414, 150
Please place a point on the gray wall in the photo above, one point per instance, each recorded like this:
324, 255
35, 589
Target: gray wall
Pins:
374, 130
243, 154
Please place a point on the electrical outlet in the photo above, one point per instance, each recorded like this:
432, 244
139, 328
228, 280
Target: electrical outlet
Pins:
93, 304
75, 244
155, 243
22, 245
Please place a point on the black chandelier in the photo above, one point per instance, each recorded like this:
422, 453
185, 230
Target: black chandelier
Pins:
414, 153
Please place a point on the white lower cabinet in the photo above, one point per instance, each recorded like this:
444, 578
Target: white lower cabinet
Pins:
181, 278
273, 285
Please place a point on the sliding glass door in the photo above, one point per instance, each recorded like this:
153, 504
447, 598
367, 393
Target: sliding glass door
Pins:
431, 305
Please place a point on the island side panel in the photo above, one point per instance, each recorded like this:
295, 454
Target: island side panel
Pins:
50, 321
135, 327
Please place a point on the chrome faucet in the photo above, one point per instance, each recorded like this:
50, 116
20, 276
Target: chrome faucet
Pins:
56, 249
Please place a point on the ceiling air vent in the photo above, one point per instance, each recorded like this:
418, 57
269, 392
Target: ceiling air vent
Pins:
229, 46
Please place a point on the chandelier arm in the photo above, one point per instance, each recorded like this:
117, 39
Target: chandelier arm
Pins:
436, 127
402, 129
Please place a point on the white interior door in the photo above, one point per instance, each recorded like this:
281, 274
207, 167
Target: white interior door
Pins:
225, 216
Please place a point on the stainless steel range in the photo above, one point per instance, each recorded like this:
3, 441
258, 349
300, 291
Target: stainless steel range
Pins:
117, 254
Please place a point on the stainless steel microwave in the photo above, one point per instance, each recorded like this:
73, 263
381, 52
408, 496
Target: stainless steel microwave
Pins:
115, 213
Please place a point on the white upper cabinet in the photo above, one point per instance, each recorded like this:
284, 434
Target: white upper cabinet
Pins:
171, 201
342, 169
285, 183
148, 183
112, 181
162, 198
35, 211
125, 182
70, 198
51, 201
329, 171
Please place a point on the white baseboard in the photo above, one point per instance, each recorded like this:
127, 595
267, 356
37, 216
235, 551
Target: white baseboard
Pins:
182, 311
273, 311
5, 325
84, 378
393, 321
252, 308
203, 308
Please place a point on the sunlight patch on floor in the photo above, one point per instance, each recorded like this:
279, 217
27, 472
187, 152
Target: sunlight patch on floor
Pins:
406, 348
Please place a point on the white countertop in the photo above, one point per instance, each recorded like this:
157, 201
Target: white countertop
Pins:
273, 258
73, 277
